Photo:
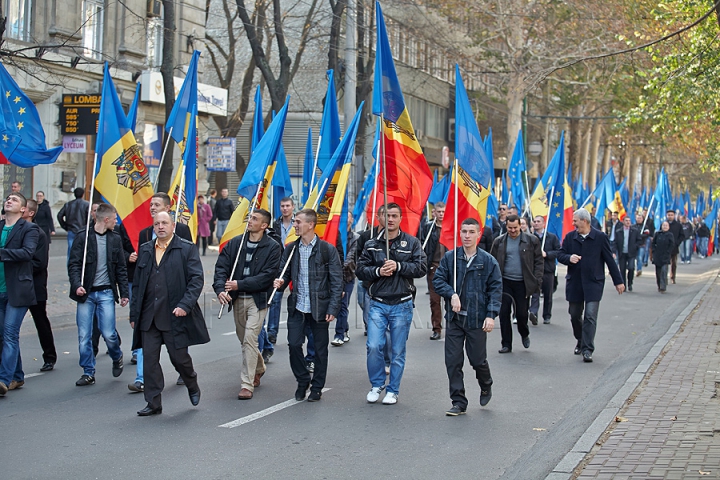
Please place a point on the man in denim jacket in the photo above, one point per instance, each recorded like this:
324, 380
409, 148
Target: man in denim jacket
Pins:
471, 307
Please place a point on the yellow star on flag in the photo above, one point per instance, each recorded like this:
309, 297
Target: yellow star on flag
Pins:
20, 125
22, 110
16, 99
5, 138
7, 94
555, 204
557, 194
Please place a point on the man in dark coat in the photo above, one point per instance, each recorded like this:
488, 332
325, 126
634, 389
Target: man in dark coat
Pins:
96, 289
521, 265
168, 282
18, 243
470, 312
40, 277
549, 253
627, 239
584, 251
44, 217
317, 284
677, 231
253, 271
73, 216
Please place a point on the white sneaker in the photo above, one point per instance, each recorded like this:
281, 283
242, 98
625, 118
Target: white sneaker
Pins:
346, 338
374, 394
390, 399
337, 342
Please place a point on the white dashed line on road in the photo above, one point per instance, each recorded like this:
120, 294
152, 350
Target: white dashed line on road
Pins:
263, 413
30, 375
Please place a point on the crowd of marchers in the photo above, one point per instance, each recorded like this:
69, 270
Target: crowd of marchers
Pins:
500, 270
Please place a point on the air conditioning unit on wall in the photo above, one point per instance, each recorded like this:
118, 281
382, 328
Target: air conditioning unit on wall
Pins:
154, 8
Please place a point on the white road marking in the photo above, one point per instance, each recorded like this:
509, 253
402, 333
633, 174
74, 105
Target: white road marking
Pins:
263, 413
30, 375
230, 333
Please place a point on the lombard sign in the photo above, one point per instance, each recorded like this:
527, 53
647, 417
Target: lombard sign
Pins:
211, 100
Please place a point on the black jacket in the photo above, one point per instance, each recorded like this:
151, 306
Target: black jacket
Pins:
433, 243
634, 240
399, 287
44, 219
181, 230
184, 288
128, 250
40, 266
486, 240
264, 268
224, 208
531, 259
349, 261
663, 245
17, 260
702, 230
552, 245
325, 282
117, 271
73, 216
677, 231
688, 230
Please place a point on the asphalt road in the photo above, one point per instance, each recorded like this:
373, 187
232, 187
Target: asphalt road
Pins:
544, 398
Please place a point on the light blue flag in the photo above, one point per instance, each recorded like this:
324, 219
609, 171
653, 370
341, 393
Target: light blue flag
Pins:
604, 193
387, 95
265, 153
281, 183
504, 191
258, 129
185, 103
307, 169
470, 150
329, 126
369, 184
132, 113
517, 173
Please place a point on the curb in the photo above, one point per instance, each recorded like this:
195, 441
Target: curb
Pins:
566, 467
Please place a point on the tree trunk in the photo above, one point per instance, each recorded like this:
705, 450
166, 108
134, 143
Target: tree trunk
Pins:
606, 157
574, 136
514, 101
585, 159
594, 147
166, 70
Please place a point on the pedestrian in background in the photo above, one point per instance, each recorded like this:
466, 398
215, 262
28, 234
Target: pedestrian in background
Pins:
44, 217
73, 217
549, 279
211, 201
342, 327
223, 211
627, 238
686, 247
204, 216
434, 252
677, 231
663, 245
644, 234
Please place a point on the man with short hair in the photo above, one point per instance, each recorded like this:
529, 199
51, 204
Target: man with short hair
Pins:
677, 231
549, 253
686, 247
223, 212
643, 236
584, 251
40, 277
434, 252
316, 275
168, 282
611, 227
389, 264
73, 217
499, 223
18, 243
521, 265
282, 226
248, 291
470, 308
96, 289
626, 245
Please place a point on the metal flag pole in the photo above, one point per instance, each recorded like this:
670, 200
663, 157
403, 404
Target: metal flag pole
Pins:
385, 198
375, 185
455, 222
315, 162
167, 143
648, 214
432, 227
87, 223
552, 194
244, 235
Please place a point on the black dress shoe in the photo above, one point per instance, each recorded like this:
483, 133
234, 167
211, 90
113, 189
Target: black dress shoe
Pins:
435, 336
315, 396
485, 394
587, 357
533, 318
194, 397
272, 339
526, 342
300, 392
577, 351
505, 350
47, 366
147, 411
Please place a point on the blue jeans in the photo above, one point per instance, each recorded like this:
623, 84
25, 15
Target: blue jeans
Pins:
646, 256
703, 245
139, 375
10, 320
273, 316
398, 318
70, 238
362, 301
104, 303
639, 258
341, 325
263, 342
220, 229
686, 249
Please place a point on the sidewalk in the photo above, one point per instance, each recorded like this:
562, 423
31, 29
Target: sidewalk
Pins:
669, 427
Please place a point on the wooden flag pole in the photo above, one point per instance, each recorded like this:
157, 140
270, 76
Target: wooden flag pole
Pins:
87, 223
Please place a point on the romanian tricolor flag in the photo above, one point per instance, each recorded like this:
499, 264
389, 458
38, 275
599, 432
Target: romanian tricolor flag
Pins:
183, 190
329, 195
121, 176
258, 174
558, 195
409, 179
616, 206
471, 175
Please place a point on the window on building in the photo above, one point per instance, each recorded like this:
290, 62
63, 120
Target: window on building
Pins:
155, 42
19, 15
92, 29
435, 120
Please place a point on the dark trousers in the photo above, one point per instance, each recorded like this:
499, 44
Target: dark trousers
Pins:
547, 287
673, 266
96, 336
513, 292
475, 342
661, 272
204, 243
584, 326
296, 336
44, 331
435, 303
152, 340
627, 268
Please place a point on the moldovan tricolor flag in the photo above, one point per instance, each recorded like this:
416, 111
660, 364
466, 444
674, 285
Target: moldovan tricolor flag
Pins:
409, 179
183, 191
121, 176
469, 185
